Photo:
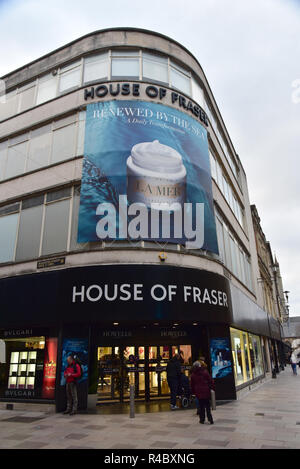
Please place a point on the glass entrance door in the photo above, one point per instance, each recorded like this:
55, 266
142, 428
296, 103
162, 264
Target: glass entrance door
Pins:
138, 365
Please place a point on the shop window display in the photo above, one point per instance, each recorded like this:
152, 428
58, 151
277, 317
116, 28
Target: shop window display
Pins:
247, 356
31, 368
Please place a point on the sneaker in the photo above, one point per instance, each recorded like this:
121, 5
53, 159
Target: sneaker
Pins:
73, 412
66, 412
211, 422
174, 407
201, 421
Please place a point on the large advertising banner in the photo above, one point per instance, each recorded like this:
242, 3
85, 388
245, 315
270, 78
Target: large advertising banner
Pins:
146, 175
49, 379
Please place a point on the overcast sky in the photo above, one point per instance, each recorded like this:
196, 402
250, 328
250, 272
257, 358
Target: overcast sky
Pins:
250, 53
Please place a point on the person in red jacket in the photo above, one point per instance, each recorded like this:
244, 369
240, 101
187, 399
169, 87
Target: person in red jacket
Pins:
71, 374
201, 384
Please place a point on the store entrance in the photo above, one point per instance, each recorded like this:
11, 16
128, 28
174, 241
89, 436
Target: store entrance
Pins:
140, 365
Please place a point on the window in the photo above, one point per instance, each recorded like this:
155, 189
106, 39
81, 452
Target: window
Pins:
64, 139
247, 356
125, 64
3, 152
256, 355
70, 76
39, 148
26, 96
237, 356
213, 168
81, 133
155, 68
29, 236
197, 93
233, 252
219, 227
180, 79
75, 215
16, 156
8, 233
47, 88
95, 67
9, 108
227, 248
56, 227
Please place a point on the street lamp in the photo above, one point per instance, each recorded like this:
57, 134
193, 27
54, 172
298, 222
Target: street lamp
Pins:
286, 294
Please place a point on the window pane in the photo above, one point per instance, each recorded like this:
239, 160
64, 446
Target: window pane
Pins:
26, 97
8, 232
227, 249
233, 249
9, 108
47, 87
213, 166
180, 81
81, 133
155, 68
16, 159
75, 213
256, 355
29, 233
69, 77
219, 226
123, 67
56, 227
63, 146
238, 356
197, 93
39, 148
95, 67
3, 152
57, 195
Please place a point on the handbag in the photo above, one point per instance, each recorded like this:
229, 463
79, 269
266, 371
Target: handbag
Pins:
213, 399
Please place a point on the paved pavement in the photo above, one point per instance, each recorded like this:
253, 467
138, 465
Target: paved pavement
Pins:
268, 417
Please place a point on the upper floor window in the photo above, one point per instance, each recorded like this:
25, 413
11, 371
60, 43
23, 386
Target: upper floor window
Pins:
95, 67
49, 144
46, 88
155, 68
180, 79
70, 76
125, 63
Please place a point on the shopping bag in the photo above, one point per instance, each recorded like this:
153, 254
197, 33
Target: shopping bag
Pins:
213, 399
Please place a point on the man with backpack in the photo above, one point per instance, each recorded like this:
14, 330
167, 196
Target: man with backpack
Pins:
72, 373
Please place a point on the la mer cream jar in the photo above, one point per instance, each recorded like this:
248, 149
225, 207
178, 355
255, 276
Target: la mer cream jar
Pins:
155, 174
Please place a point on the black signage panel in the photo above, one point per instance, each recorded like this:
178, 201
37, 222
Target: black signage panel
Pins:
107, 293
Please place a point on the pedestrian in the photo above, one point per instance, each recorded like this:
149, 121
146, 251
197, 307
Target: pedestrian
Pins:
72, 373
294, 362
202, 384
173, 378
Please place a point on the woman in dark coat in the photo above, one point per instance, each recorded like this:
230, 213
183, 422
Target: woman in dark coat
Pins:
202, 383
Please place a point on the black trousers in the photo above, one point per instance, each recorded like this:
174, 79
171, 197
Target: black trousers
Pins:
173, 385
204, 405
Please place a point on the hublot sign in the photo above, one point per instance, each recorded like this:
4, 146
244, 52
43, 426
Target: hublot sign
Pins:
152, 91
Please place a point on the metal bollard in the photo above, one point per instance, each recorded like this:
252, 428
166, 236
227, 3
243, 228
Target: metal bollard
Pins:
131, 415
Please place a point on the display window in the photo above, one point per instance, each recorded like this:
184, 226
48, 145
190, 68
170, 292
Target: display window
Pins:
247, 356
31, 368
